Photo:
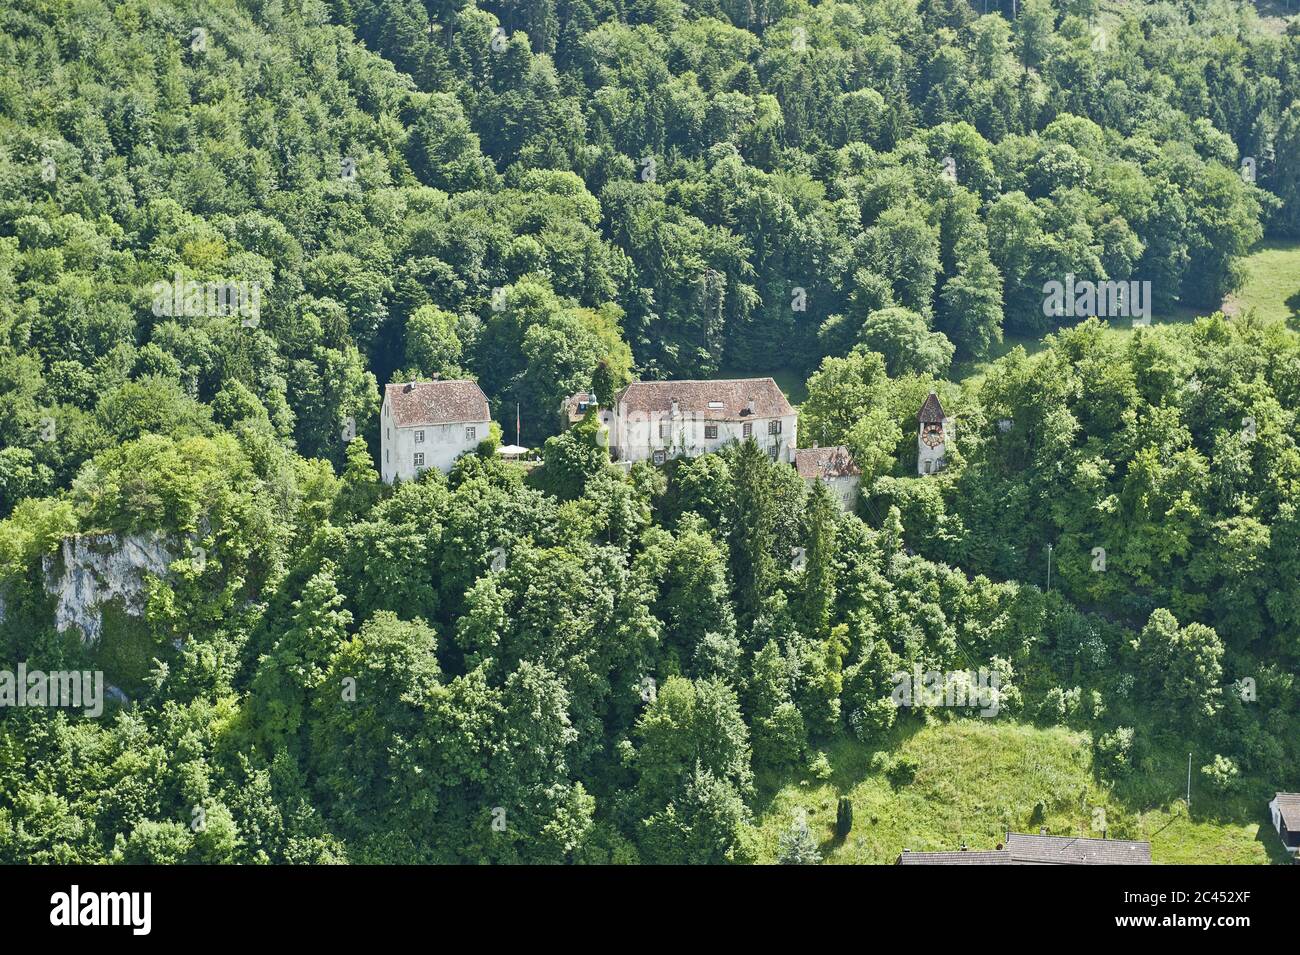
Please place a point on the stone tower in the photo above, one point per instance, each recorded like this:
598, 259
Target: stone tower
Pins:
932, 438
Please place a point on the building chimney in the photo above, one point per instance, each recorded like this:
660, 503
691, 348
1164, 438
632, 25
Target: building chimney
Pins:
410, 386
963, 845
1042, 830
674, 410
436, 375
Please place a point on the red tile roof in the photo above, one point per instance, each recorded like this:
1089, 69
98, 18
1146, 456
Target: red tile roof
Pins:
732, 399
436, 402
830, 462
581, 400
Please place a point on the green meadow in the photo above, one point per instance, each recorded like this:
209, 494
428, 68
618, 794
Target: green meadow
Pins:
972, 780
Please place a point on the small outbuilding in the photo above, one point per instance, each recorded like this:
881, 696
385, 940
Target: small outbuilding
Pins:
834, 467
1285, 813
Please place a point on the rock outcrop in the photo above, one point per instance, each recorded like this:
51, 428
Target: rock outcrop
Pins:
96, 569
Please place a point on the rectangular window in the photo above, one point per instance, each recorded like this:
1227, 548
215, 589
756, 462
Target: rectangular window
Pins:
419, 459
748, 429
664, 427
470, 434
387, 457
711, 432
419, 437
774, 427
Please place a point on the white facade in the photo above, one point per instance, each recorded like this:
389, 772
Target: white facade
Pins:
1275, 812
932, 437
416, 442
844, 489
638, 435
833, 467
929, 458
408, 451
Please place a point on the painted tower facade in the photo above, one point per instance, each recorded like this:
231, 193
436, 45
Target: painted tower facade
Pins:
932, 439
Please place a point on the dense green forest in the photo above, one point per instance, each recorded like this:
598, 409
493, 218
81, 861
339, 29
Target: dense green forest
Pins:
577, 662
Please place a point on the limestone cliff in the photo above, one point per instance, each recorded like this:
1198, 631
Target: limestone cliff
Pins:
96, 569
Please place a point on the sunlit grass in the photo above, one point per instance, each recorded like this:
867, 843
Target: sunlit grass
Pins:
1273, 286
1272, 290
976, 779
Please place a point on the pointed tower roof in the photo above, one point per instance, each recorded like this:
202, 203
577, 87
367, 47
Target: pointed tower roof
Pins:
931, 412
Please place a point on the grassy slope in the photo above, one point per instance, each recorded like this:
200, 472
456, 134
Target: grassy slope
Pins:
977, 779
1272, 289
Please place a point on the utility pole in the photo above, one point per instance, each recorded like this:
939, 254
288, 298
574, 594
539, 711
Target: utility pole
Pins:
1189, 785
1049, 567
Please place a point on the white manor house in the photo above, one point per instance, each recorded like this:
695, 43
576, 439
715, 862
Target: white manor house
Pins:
429, 424
659, 420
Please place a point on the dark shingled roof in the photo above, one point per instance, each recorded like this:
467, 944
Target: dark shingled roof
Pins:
825, 463
983, 857
931, 412
1024, 849
1288, 805
436, 402
1072, 850
733, 397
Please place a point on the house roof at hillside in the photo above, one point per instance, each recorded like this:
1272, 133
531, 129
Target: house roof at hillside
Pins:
436, 402
1071, 850
1024, 849
832, 462
1288, 804
577, 405
735, 399
931, 411
964, 857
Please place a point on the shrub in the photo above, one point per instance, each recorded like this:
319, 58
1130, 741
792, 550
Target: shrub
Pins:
1222, 774
1115, 751
843, 818
820, 767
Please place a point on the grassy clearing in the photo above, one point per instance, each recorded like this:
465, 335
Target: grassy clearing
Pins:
974, 780
1274, 14
1272, 290
1273, 286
